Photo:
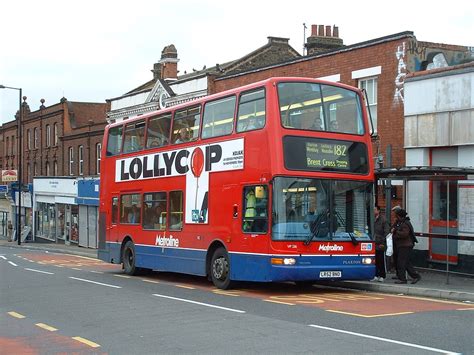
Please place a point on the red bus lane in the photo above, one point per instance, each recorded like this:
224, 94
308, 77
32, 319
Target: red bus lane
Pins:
69, 261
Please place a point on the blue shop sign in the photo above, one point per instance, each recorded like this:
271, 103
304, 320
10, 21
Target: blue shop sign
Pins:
88, 192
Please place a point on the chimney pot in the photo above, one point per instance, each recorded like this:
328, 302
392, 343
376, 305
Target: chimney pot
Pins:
335, 31
321, 30
314, 30
328, 31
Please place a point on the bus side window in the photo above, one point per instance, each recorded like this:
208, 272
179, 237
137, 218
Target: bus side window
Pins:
154, 211
255, 218
218, 119
251, 111
114, 141
114, 210
158, 131
130, 209
186, 124
134, 137
176, 210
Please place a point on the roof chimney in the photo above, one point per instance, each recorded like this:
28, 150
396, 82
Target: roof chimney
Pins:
323, 39
167, 66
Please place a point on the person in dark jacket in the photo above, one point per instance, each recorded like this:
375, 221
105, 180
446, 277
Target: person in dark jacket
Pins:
381, 229
404, 243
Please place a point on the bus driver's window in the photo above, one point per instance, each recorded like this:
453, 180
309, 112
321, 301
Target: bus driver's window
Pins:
255, 219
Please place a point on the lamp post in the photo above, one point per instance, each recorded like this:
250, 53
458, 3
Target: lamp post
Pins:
20, 184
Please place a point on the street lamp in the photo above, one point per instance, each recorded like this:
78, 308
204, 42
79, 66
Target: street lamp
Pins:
20, 185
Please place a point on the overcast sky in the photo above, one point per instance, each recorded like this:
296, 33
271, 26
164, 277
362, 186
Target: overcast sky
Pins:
94, 50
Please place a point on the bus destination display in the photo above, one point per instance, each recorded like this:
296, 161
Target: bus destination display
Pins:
320, 155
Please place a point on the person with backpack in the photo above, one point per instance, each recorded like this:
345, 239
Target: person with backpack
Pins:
404, 241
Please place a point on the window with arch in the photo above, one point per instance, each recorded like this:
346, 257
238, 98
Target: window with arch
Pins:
71, 161
48, 135
80, 155
55, 168
28, 139
55, 134
35, 138
98, 156
48, 169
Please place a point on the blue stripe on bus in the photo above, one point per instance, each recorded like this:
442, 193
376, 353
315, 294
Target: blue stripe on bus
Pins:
245, 266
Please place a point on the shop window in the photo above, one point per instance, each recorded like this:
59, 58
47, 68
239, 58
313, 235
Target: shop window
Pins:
134, 137
158, 131
218, 119
442, 201
186, 124
130, 209
251, 111
255, 207
154, 210
176, 210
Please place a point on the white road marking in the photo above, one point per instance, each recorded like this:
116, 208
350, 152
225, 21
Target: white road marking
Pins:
200, 303
384, 339
1, 256
94, 282
43, 272
12, 263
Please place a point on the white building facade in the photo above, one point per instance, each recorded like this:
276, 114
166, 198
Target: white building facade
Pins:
439, 132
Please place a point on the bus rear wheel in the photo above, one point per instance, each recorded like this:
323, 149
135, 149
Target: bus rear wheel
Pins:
220, 269
129, 258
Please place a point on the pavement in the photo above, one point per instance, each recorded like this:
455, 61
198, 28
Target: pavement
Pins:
433, 284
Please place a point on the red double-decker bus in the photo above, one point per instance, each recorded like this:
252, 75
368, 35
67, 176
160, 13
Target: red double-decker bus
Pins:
271, 181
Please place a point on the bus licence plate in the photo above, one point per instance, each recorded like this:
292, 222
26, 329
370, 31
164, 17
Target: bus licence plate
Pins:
329, 274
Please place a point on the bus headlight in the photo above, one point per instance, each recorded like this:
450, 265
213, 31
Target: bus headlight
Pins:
367, 261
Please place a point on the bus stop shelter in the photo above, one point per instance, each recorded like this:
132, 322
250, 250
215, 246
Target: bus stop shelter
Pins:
444, 244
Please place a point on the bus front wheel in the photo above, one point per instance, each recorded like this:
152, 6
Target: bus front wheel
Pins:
220, 269
128, 259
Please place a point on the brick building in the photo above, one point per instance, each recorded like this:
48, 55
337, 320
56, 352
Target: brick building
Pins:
59, 140
379, 65
61, 144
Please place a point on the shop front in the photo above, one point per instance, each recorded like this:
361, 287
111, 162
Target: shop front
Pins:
56, 213
88, 204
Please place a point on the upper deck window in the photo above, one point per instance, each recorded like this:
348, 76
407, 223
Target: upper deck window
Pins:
159, 130
218, 118
134, 137
186, 124
317, 107
114, 140
251, 111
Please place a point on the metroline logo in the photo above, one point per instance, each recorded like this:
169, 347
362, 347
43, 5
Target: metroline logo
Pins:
164, 241
329, 247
